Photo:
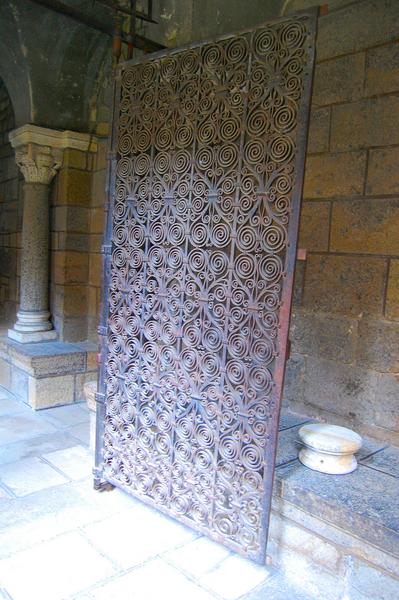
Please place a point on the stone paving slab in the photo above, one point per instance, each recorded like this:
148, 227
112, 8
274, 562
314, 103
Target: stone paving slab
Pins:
75, 463
29, 475
54, 570
18, 427
288, 445
234, 577
386, 461
152, 532
81, 432
288, 420
37, 446
8, 406
152, 581
207, 555
66, 416
28, 520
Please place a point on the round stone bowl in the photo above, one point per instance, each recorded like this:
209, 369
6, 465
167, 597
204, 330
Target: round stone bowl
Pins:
329, 448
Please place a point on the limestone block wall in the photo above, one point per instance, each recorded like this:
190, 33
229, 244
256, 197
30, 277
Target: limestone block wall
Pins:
10, 214
345, 329
96, 230
70, 222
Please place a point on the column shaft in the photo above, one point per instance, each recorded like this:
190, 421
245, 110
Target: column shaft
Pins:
35, 248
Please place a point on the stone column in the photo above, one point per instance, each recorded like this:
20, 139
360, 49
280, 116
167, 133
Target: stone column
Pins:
38, 154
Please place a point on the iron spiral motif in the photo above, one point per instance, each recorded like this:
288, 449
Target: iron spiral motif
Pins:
209, 154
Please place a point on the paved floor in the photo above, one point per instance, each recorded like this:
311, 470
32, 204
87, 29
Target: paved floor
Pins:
59, 539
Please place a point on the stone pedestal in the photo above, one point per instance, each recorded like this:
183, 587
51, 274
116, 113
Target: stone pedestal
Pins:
329, 448
38, 154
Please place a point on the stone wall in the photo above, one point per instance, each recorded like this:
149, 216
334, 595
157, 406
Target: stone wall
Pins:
10, 214
345, 329
70, 244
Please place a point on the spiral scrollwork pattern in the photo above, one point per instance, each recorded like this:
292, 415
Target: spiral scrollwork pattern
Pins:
208, 150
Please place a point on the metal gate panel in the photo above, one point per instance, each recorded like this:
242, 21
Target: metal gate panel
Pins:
205, 185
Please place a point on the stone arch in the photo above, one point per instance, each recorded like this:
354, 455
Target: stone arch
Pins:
49, 64
10, 211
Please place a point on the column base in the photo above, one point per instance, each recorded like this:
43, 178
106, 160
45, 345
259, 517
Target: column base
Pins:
25, 337
32, 326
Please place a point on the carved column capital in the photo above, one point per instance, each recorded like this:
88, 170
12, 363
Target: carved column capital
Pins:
38, 164
38, 150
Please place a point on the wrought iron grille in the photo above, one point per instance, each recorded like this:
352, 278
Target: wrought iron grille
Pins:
205, 188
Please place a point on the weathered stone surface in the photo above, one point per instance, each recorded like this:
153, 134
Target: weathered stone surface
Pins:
47, 358
314, 226
299, 278
340, 389
290, 535
319, 130
366, 226
19, 384
352, 285
382, 70
372, 583
95, 273
74, 159
72, 241
362, 502
81, 379
97, 220
50, 391
74, 329
71, 219
288, 420
98, 188
95, 241
334, 175
383, 172
289, 445
379, 345
5, 373
354, 28
73, 187
70, 267
366, 123
294, 379
101, 155
392, 299
74, 300
324, 335
386, 460
339, 80
386, 406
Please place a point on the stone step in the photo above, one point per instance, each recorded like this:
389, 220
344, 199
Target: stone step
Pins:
336, 533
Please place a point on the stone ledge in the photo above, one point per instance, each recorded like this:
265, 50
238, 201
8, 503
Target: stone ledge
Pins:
337, 534
44, 359
46, 374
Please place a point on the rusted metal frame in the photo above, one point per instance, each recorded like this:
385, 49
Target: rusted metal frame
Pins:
99, 482
61, 8
286, 294
114, 5
293, 230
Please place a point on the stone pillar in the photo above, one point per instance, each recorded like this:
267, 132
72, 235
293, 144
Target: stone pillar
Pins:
39, 155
